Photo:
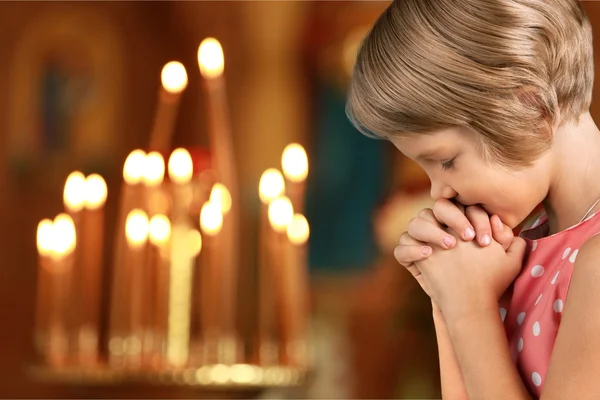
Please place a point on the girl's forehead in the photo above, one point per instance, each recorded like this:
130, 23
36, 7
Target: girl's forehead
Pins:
431, 144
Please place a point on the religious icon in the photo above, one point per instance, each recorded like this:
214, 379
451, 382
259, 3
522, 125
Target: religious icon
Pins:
64, 94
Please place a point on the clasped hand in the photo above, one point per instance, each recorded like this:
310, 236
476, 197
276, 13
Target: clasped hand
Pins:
462, 258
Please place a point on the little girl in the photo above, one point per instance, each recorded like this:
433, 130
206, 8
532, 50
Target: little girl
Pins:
491, 98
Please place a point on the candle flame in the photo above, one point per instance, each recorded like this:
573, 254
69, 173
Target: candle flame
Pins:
193, 242
211, 218
210, 58
64, 235
271, 185
45, 233
294, 162
74, 192
174, 77
154, 169
95, 191
133, 169
281, 213
136, 228
180, 166
159, 229
221, 196
298, 230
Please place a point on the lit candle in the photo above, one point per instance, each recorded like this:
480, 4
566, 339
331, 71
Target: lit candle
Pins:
160, 236
91, 240
64, 242
211, 62
186, 244
136, 232
270, 187
181, 170
281, 213
131, 197
211, 223
156, 204
174, 81
45, 245
295, 305
294, 163
74, 198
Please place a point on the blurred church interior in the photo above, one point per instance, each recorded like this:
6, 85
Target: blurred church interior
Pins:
82, 81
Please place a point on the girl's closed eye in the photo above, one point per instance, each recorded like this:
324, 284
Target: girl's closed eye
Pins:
446, 165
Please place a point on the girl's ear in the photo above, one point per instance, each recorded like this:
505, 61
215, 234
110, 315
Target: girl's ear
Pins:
548, 114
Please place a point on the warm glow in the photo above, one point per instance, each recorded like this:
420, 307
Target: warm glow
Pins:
95, 191
281, 213
64, 235
174, 77
211, 218
133, 169
180, 167
271, 185
298, 230
210, 58
74, 192
45, 234
294, 162
154, 169
159, 230
136, 227
221, 196
193, 242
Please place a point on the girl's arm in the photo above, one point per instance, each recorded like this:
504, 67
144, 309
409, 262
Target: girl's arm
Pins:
453, 386
575, 363
482, 350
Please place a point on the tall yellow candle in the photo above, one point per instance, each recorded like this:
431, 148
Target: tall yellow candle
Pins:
211, 62
180, 168
174, 80
91, 241
136, 232
186, 244
294, 163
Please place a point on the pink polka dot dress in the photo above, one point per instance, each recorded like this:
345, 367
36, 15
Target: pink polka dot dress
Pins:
531, 309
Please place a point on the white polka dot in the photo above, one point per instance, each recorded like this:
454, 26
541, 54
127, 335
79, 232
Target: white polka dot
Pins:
502, 313
574, 256
558, 305
536, 378
553, 281
536, 328
566, 252
520, 318
534, 245
520, 345
538, 299
537, 271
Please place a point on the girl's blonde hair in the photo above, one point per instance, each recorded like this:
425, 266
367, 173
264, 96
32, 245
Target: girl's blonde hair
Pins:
504, 68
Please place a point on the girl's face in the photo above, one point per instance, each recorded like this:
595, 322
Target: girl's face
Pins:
453, 160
